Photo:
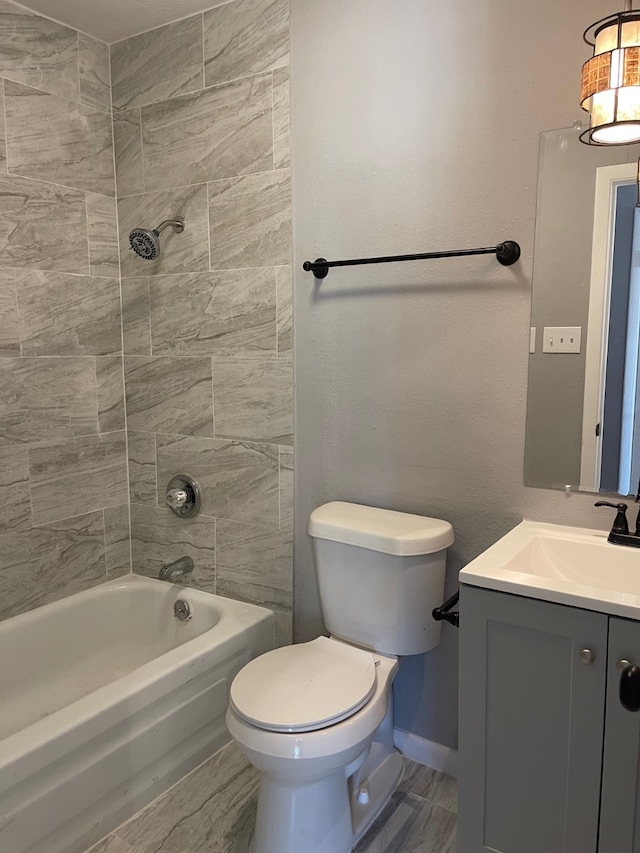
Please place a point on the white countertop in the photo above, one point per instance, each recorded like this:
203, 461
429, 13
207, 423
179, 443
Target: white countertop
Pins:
568, 565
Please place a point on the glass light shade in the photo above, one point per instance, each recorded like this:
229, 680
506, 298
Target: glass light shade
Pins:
610, 88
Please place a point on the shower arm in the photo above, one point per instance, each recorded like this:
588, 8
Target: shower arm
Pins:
177, 225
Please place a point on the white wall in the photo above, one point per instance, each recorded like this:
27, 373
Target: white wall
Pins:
415, 128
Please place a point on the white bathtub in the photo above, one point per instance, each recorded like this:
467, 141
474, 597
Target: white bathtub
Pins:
106, 699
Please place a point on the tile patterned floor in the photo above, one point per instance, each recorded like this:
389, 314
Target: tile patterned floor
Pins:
212, 810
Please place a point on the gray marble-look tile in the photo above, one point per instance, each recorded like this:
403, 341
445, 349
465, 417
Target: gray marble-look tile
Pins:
429, 784
117, 541
245, 37
216, 133
42, 226
250, 221
281, 119
127, 141
159, 64
284, 301
9, 321
78, 475
3, 132
38, 52
93, 65
64, 314
55, 140
238, 480
15, 499
142, 467
103, 235
110, 393
410, 825
44, 399
112, 844
229, 313
210, 811
169, 395
255, 564
50, 562
158, 537
253, 400
286, 488
284, 628
136, 328
185, 252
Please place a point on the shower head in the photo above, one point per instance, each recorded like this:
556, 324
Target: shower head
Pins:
146, 243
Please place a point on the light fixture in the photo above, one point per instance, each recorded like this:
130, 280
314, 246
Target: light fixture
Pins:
610, 89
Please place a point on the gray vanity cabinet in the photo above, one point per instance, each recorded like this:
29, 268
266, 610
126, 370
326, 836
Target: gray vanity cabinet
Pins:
620, 805
531, 725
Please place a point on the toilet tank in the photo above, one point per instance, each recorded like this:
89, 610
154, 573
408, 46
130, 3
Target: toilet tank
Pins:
380, 574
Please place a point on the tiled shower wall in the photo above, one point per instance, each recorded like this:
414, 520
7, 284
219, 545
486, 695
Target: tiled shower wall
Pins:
201, 123
63, 470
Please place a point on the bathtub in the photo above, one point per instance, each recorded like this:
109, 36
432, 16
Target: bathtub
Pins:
107, 699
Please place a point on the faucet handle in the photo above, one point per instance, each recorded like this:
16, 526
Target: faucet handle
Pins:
183, 496
620, 524
177, 498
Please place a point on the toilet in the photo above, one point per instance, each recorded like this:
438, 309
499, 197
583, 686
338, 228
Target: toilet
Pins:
316, 718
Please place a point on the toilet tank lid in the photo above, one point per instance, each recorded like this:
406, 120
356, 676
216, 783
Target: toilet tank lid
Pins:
384, 530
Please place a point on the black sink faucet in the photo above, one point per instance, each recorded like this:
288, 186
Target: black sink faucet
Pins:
619, 534
620, 524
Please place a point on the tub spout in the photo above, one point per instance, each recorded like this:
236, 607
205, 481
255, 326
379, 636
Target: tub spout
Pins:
178, 571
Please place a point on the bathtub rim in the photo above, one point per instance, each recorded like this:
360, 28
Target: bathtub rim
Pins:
58, 731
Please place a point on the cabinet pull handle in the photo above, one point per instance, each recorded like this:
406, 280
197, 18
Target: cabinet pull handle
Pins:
623, 664
630, 688
586, 656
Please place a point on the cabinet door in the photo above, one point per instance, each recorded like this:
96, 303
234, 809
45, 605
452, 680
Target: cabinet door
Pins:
620, 809
531, 725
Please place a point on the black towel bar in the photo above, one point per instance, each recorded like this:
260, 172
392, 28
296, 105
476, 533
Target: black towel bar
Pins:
444, 612
506, 252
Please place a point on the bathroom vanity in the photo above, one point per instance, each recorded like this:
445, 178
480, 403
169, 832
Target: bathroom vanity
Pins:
549, 755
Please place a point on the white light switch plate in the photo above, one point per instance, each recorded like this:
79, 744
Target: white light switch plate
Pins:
561, 339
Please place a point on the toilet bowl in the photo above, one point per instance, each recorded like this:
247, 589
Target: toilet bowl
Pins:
323, 780
317, 718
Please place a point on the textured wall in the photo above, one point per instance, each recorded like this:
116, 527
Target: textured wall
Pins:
201, 118
415, 128
63, 470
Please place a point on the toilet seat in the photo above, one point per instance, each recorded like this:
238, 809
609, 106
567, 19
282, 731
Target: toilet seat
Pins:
304, 687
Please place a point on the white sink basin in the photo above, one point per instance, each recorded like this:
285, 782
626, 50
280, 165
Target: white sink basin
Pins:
570, 565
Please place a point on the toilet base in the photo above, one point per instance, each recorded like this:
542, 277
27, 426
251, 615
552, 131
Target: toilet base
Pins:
379, 784
327, 815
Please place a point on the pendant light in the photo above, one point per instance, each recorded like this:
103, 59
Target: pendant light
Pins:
610, 88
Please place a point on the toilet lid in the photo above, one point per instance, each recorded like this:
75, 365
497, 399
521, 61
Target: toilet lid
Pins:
304, 687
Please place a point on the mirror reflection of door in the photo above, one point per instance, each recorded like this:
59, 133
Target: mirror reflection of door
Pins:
610, 459
566, 396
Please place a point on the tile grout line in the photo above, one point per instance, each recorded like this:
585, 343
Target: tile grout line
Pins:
144, 182
233, 178
176, 21
6, 128
122, 370
199, 90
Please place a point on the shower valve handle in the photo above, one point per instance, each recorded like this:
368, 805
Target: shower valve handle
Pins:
183, 496
177, 498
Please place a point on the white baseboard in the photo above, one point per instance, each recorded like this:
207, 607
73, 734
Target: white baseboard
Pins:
424, 751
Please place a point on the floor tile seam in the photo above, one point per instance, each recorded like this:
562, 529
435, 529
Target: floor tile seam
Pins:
412, 796
130, 820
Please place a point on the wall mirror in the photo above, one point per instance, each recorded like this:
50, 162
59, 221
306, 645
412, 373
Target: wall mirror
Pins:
583, 404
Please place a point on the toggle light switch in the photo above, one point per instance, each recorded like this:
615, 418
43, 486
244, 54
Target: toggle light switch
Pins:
561, 339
